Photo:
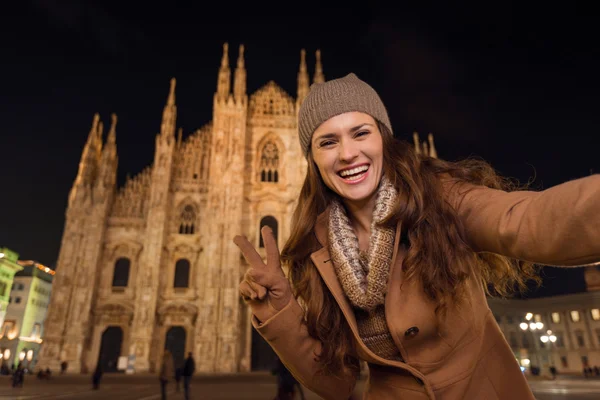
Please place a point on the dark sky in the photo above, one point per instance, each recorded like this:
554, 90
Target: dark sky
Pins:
516, 87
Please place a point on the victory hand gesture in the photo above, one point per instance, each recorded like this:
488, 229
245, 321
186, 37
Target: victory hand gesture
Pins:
264, 287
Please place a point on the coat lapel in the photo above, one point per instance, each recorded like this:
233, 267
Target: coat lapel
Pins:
322, 261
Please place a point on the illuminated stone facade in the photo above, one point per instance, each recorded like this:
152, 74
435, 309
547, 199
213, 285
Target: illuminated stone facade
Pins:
158, 252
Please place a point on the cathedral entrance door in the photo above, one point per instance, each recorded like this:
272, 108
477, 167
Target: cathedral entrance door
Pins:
110, 348
263, 356
175, 343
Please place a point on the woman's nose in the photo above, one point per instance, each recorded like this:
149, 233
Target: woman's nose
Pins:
347, 151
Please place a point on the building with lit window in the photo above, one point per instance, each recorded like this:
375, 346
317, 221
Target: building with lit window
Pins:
21, 333
8, 268
563, 331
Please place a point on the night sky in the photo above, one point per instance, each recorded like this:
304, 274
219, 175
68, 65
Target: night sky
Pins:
516, 87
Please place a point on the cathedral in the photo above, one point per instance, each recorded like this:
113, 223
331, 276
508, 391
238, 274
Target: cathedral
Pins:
151, 265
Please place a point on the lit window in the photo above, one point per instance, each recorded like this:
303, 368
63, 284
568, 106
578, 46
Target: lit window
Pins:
7, 327
6, 354
269, 163
36, 331
30, 355
556, 317
187, 220
575, 316
538, 318
596, 314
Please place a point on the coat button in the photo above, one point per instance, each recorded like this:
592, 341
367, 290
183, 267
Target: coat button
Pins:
411, 332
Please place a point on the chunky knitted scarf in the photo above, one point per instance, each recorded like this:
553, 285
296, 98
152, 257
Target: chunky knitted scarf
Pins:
364, 276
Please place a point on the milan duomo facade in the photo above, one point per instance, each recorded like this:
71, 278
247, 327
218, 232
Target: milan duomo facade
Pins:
154, 261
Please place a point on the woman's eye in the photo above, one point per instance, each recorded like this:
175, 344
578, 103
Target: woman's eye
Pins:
326, 143
362, 133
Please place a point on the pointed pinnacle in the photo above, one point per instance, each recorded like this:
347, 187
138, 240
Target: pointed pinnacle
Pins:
318, 77
432, 150
171, 99
416, 143
95, 121
302, 60
94, 129
225, 59
113, 128
240, 61
319, 66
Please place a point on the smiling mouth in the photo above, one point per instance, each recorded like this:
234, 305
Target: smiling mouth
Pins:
354, 173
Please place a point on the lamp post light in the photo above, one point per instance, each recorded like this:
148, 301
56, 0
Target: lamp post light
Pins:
536, 328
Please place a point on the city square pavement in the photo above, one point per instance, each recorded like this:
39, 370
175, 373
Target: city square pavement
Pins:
256, 386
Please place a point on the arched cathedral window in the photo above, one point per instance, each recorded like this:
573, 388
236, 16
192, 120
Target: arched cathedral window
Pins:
187, 220
121, 273
182, 273
271, 222
269, 163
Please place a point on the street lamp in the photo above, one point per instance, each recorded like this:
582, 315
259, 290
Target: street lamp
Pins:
536, 328
549, 337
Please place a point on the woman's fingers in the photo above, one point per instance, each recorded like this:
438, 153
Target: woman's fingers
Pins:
246, 291
273, 256
253, 290
261, 291
248, 251
258, 281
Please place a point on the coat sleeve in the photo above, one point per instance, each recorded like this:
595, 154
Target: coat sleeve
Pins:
287, 334
558, 226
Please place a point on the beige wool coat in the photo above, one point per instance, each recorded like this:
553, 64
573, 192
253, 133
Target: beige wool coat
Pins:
465, 356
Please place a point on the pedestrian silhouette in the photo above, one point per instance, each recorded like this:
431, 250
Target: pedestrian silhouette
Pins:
188, 370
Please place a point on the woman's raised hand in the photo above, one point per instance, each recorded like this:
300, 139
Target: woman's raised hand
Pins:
264, 287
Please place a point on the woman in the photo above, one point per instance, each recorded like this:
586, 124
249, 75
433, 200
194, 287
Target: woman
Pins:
391, 256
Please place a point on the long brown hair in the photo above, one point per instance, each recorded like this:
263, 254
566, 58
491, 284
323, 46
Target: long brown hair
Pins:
438, 254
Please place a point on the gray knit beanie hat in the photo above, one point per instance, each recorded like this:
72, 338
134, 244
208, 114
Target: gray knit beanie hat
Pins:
338, 96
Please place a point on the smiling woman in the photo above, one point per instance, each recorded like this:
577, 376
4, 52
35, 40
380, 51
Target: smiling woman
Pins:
348, 152
391, 255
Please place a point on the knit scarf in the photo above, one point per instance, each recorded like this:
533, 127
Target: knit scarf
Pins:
364, 276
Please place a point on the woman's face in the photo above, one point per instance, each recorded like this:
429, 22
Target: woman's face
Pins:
348, 152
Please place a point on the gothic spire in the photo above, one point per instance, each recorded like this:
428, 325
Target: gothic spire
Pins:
432, 151
108, 163
303, 79
416, 143
239, 85
319, 77
112, 133
167, 127
89, 155
224, 81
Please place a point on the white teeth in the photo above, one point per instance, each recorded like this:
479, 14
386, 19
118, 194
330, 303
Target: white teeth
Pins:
354, 171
